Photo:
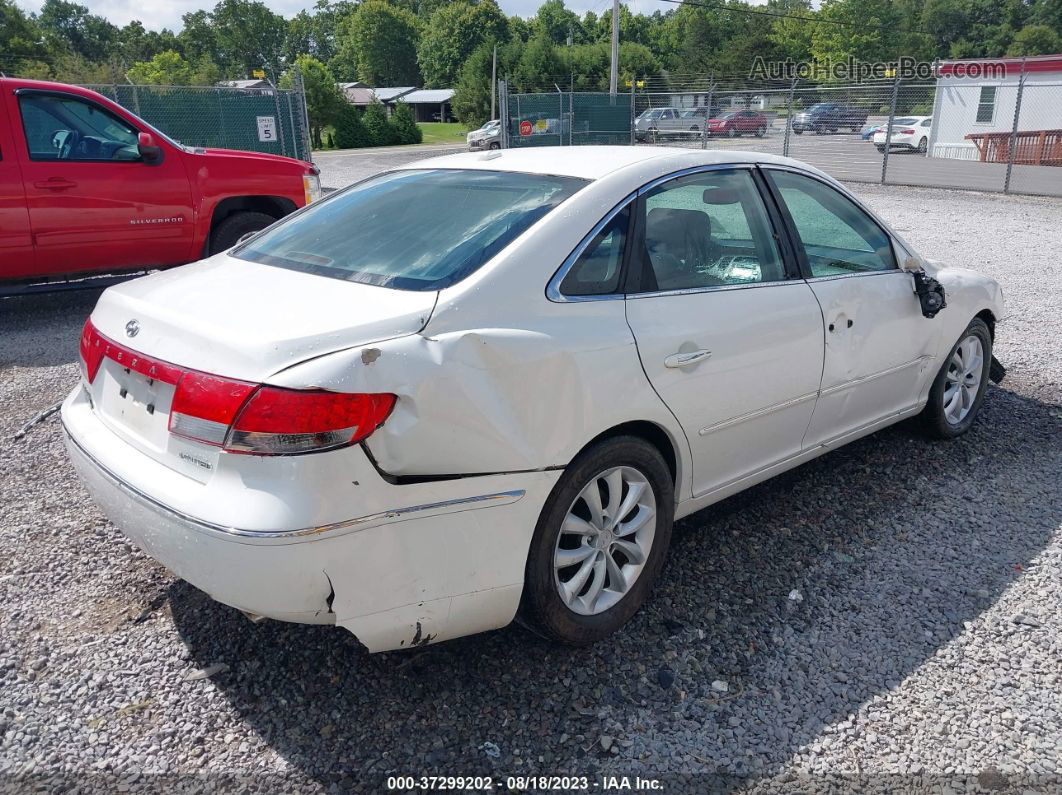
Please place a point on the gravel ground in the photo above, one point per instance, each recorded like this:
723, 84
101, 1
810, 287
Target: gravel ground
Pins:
884, 618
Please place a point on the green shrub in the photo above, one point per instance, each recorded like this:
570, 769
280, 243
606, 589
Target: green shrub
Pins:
381, 131
405, 125
350, 132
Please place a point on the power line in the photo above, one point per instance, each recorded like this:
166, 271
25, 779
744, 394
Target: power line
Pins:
781, 15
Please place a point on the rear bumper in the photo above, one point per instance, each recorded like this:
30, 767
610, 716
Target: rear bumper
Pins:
425, 570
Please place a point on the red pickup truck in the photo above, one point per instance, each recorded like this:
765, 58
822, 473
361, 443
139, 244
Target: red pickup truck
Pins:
86, 187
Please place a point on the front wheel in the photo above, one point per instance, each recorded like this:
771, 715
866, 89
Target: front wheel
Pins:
798, 130
959, 388
238, 225
600, 542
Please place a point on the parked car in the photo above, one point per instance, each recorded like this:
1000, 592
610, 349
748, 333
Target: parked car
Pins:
396, 410
661, 122
868, 130
910, 133
486, 137
740, 122
829, 117
92, 188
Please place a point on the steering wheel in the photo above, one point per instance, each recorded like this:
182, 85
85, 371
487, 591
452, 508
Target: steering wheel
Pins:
73, 137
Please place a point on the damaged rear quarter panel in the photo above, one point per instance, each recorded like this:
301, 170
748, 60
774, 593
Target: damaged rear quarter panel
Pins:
501, 379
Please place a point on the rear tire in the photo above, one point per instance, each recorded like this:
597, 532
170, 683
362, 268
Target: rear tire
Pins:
923, 146
798, 130
494, 145
586, 615
229, 231
961, 379
762, 131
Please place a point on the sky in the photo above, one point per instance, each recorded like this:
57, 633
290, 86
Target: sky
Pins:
158, 14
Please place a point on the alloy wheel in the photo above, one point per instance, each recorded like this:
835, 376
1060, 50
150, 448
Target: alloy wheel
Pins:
605, 540
963, 379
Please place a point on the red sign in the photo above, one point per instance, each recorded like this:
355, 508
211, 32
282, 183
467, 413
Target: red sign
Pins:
525, 128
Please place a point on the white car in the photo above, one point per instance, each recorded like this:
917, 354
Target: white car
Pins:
486, 137
486, 384
909, 132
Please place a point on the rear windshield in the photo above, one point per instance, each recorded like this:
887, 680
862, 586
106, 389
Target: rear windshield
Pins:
411, 230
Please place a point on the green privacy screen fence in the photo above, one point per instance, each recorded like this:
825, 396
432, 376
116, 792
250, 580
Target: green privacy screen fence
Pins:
252, 119
565, 118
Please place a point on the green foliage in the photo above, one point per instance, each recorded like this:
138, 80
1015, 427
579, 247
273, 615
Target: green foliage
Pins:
405, 125
350, 132
323, 97
453, 33
1035, 40
168, 68
378, 126
248, 36
377, 44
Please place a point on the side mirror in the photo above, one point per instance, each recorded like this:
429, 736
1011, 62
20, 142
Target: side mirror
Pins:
150, 152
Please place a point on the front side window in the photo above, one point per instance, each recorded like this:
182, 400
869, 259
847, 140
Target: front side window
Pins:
69, 128
411, 230
707, 230
837, 236
597, 271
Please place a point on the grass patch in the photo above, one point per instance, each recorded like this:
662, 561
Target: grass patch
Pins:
436, 132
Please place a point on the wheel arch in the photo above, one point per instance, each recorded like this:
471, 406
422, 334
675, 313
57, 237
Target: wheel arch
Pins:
651, 432
276, 206
990, 320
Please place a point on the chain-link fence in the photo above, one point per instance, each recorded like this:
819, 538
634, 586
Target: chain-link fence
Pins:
566, 118
252, 119
998, 134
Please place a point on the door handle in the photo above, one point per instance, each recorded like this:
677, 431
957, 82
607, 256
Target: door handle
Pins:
686, 359
54, 183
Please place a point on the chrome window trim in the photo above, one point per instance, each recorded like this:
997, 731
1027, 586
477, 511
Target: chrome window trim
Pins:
553, 292
892, 272
714, 288
305, 533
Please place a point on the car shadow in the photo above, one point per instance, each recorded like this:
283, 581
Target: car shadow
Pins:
807, 595
43, 330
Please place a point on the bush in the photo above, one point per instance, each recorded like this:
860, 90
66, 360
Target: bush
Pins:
381, 131
405, 126
350, 132
922, 109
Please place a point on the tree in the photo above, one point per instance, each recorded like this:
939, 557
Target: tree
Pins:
405, 125
350, 131
379, 128
452, 35
69, 27
249, 36
556, 23
323, 97
19, 35
165, 69
378, 45
1035, 40
471, 102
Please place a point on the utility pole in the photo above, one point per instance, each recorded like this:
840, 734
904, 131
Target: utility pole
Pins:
493, 81
613, 78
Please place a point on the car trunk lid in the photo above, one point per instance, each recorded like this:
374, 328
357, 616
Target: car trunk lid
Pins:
230, 318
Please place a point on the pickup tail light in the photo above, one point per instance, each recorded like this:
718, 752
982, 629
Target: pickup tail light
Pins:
245, 417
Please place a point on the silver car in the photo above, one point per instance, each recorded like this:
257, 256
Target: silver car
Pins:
486, 137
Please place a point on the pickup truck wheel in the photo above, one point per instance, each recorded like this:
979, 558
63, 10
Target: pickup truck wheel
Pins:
798, 130
235, 226
494, 145
600, 542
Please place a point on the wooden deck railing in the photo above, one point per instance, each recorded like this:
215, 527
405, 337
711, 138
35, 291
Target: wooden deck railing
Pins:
1031, 147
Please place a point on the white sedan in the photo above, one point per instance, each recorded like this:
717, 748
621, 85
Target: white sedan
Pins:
487, 384
909, 132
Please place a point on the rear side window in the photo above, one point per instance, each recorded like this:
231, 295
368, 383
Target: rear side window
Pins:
597, 271
411, 230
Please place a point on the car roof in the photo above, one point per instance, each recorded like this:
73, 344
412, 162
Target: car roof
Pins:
595, 162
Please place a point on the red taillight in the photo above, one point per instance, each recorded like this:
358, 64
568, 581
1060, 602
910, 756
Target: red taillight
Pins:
204, 406
286, 421
92, 350
243, 417
906, 132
